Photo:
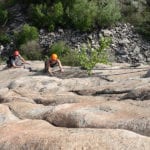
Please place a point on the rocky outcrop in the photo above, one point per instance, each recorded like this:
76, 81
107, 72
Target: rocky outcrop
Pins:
6, 115
147, 75
101, 115
37, 134
126, 46
72, 110
138, 94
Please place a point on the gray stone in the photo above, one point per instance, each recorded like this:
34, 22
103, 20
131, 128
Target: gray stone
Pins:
106, 33
147, 75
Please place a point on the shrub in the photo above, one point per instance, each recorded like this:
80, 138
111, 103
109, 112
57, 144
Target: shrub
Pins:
27, 33
31, 50
38, 15
138, 15
70, 58
108, 13
60, 48
82, 14
4, 38
3, 15
143, 24
58, 12
43, 16
88, 58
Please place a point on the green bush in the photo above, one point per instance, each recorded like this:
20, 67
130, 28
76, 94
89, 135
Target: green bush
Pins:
70, 58
60, 48
3, 15
4, 38
88, 58
44, 16
143, 24
38, 15
138, 15
27, 33
82, 14
58, 12
31, 50
108, 13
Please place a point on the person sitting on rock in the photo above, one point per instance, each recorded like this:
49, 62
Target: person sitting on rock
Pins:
52, 62
16, 60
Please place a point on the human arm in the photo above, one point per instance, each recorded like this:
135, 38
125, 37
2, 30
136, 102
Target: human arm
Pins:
60, 65
48, 68
23, 60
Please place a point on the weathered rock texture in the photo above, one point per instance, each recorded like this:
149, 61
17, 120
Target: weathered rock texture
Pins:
112, 106
36, 134
127, 45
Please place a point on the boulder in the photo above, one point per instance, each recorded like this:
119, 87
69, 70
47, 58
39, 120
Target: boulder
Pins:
101, 115
6, 115
147, 75
94, 105
37, 134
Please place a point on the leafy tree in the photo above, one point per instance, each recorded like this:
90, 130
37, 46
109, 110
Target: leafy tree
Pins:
3, 15
44, 16
57, 13
137, 14
143, 24
4, 38
108, 12
38, 14
82, 14
26, 34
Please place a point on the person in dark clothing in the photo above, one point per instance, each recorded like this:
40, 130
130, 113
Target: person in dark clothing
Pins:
16, 60
52, 62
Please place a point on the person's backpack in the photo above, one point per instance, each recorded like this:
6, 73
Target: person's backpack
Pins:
9, 64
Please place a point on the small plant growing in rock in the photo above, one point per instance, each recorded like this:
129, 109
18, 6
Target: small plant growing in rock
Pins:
89, 57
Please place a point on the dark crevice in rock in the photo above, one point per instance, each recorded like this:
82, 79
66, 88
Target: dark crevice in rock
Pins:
97, 93
55, 102
126, 72
1, 99
50, 122
4, 100
14, 113
40, 101
105, 78
108, 91
141, 96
